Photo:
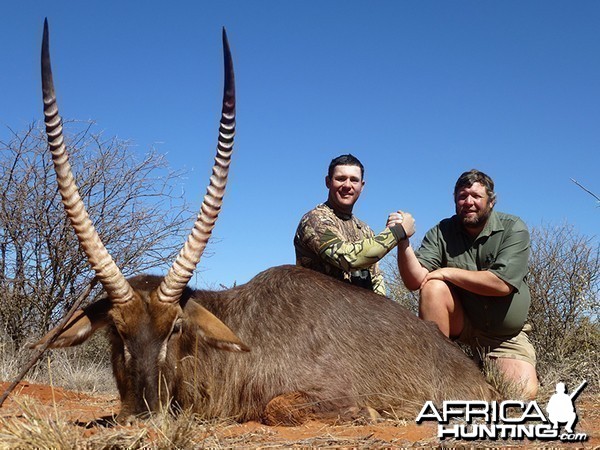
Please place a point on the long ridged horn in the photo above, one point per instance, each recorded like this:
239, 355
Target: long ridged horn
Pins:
113, 281
183, 268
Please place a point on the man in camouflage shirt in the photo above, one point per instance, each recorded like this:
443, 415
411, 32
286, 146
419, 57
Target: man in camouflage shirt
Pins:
331, 240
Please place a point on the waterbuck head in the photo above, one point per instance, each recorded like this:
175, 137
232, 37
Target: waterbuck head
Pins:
146, 315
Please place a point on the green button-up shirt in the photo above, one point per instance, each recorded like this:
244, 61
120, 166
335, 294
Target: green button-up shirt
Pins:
502, 247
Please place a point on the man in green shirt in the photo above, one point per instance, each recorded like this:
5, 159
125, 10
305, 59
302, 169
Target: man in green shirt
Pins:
331, 240
470, 270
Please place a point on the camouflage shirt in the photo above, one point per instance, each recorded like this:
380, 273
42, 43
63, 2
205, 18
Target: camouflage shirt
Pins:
343, 246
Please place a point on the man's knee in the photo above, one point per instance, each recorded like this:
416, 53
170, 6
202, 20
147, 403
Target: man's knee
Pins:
436, 291
437, 296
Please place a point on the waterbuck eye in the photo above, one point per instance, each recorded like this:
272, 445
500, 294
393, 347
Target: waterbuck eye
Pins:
177, 326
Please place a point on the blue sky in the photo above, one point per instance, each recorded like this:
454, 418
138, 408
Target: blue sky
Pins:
420, 91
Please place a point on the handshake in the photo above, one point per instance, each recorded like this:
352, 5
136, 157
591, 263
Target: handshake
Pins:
403, 219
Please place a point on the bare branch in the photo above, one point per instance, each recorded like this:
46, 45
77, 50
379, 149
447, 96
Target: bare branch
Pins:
586, 190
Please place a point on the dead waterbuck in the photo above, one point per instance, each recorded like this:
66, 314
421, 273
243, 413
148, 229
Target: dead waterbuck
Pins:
304, 344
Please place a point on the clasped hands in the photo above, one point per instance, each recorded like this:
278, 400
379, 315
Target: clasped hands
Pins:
402, 218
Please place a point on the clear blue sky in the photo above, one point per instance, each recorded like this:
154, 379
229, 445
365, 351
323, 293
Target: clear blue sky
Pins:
420, 91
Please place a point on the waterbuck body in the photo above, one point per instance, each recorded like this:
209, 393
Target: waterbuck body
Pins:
340, 346
333, 349
341, 349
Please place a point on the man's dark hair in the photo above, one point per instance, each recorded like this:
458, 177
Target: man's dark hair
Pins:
467, 179
346, 160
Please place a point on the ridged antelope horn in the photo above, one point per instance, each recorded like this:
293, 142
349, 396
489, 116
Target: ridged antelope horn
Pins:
183, 268
107, 272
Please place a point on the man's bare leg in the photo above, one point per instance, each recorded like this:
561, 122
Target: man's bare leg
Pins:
439, 305
519, 372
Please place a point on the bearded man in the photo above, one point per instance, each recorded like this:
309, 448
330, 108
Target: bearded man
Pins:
471, 270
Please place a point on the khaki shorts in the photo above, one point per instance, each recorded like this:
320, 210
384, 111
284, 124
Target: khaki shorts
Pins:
485, 345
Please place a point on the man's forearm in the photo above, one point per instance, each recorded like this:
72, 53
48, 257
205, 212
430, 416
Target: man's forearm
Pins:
357, 255
482, 282
411, 270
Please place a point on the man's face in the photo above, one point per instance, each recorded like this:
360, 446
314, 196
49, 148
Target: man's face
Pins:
473, 206
345, 186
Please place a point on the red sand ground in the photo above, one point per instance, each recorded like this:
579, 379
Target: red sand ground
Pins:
82, 408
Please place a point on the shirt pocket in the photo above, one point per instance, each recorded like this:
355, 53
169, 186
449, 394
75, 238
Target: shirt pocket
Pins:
487, 260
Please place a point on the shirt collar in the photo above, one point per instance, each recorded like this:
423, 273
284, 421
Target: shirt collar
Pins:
492, 226
341, 215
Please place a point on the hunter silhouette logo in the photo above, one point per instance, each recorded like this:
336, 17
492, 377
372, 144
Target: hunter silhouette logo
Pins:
509, 419
561, 407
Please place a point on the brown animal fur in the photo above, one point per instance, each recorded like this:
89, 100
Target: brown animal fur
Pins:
339, 346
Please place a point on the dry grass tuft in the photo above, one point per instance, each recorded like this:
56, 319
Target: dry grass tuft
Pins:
38, 428
35, 429
508, 389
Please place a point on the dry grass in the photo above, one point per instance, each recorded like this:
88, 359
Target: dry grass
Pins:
75, 370
84, 368
36, 428
32, 424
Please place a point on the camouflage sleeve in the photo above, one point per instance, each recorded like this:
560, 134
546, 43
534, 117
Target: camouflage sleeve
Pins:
378, 284
356, 255
308, 234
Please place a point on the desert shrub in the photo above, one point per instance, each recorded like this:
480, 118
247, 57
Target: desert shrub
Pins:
130, 200
83, 368
564, 280
396, 289
13, 359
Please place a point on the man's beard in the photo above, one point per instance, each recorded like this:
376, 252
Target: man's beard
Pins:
477, 221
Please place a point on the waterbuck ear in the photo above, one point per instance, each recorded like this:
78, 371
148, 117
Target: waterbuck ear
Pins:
82, 325
212, 330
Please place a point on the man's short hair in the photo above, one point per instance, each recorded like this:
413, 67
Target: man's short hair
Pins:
467, 179
346, 160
